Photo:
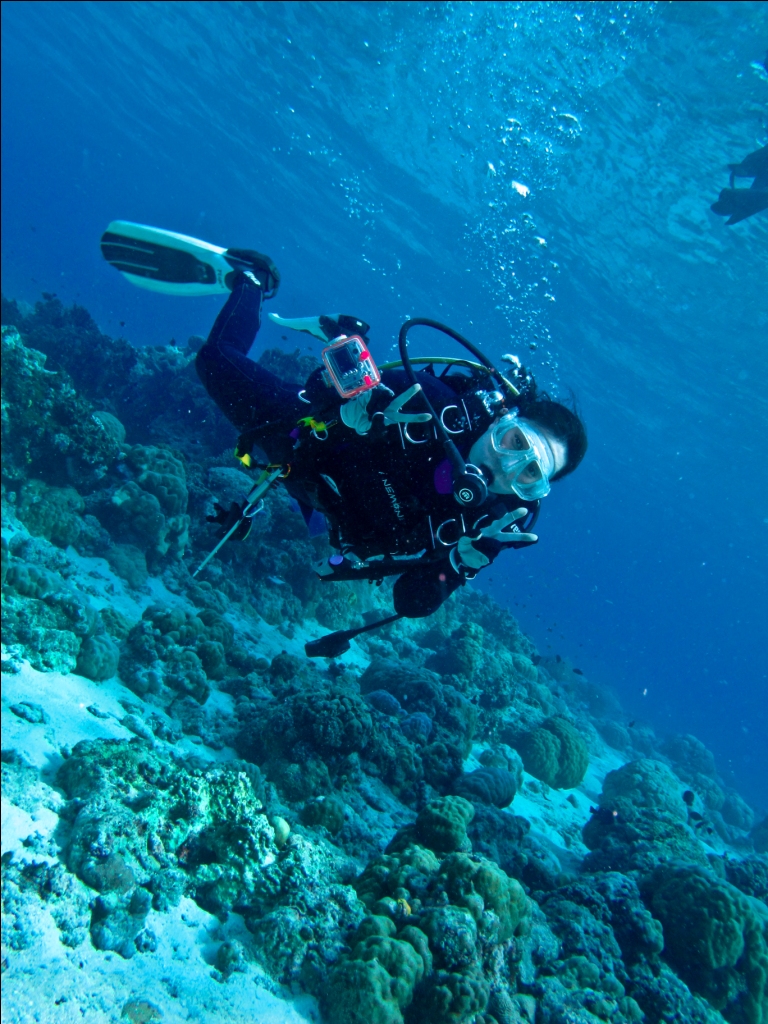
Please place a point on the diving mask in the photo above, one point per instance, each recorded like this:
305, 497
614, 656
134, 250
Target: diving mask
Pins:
524, 458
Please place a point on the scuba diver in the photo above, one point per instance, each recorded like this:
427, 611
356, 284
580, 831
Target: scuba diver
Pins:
422, 475
739, 203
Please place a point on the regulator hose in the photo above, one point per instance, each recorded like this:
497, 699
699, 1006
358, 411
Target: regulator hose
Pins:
469, 485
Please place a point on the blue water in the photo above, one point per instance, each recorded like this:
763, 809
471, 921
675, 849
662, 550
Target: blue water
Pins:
378, 151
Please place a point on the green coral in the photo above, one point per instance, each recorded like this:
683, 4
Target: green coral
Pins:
129, 562
462, 652
463, 910
213, 658
555, 753
160, 472
644, 785
410, 869
326, 811
113, 428
178, 648
97, 658
717, 938
51, 512
115, 623
480, 885
441, 826
398, 958
452, 935
148, 510
378, 979
452, 998
31, 580
360, 992
136, 516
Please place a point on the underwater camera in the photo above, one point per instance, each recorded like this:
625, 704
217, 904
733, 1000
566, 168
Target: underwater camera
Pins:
349, 366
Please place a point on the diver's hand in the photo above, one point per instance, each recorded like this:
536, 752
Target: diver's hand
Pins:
465, 553
358, 414
227, 518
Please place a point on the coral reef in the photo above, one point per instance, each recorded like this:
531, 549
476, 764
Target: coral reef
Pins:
387, 831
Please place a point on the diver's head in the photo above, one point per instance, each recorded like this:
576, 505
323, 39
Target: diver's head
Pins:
523, 452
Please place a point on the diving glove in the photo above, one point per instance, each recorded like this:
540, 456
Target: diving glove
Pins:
227, 518
358, 413
466, 554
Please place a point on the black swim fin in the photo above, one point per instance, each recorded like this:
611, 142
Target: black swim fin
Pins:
174, 264
754, 165
739, 203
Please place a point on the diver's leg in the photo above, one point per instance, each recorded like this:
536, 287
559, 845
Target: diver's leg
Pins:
238, 322
247, 394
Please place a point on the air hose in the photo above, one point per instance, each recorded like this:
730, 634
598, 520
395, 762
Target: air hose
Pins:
469, 485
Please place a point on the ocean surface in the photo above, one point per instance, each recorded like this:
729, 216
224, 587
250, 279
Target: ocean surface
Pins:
538, 176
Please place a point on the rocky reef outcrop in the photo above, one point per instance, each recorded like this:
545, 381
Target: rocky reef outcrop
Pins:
441, 826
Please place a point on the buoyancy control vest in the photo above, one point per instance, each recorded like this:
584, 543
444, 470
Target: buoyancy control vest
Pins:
391, 492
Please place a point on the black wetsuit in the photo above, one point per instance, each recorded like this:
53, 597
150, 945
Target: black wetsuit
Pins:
385, 493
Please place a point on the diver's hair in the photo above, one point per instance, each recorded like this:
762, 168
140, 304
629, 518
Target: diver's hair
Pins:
562, 422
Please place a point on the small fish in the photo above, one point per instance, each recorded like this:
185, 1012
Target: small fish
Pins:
277, 581
631, 724
695, 816
122, 323
604, 814
558, 659
578, 672
689, 797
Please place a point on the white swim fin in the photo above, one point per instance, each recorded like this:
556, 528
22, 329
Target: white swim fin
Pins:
327, 327
174, 264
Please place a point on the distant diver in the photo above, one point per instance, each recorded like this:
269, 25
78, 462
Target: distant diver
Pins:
424, 475
739, 203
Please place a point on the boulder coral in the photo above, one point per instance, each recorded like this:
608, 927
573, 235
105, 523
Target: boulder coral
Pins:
644, 786
441, 826
716, 938
489, 785
51, 512
97, 658
462, 652
481, 886
555, 753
